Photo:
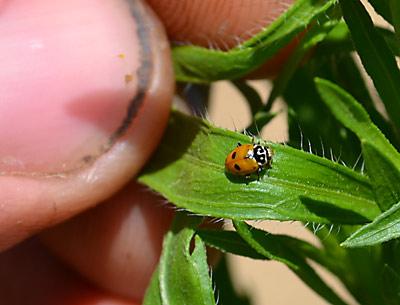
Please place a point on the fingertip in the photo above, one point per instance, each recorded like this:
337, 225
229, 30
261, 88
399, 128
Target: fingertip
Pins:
215, 23
117, 244
223, 25
82, 150
30, 275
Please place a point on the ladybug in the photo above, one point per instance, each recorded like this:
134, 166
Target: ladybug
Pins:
247, 159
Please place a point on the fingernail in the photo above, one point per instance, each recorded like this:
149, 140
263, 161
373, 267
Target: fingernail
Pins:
83, 109
70, 71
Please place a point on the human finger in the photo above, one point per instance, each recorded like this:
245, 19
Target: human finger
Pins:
86, 91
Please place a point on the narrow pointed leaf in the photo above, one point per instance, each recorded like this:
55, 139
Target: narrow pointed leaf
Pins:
350, 78
375, 55
353, 116
379, 154
384, 175
385, 227
382, 8
339, 41
188, 169
313, 36
390, 286
250, 94
184, 275
395, 12
228, 242
274, 249
198, 64
261, 118
153, 294
227, 295
391, 39
308, 275
307, 111
281, 246
266, 245
357, 268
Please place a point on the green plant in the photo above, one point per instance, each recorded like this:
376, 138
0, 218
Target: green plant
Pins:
326, 91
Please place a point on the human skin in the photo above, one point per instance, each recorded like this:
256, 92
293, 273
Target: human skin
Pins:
67, 150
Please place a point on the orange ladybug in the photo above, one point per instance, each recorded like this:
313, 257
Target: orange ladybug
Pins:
247, 159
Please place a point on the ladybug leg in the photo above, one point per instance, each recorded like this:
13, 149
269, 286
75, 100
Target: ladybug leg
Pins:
258, 173
239, 144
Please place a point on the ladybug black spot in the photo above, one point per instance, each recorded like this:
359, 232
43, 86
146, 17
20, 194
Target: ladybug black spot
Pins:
237, 167
234, 155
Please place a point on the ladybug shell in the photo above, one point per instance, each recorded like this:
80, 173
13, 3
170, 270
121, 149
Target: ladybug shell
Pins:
240, 161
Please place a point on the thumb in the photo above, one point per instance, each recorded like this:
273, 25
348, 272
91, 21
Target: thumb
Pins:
86, 88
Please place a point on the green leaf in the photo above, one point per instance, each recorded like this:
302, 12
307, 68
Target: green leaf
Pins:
376, 57
196, 97
260, 116
260, 119
228, 242
197, 64
382, 8
280, 246
385, 227
359, 269
266, 244
286, 249
306, 110
313, 36
271, 248
184, 275
188, 169
350, 79
384, 175
225, 290
337, 41
250, 94
153, 294
395, 11
390, 286
391, 253
377, 150
391, 40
